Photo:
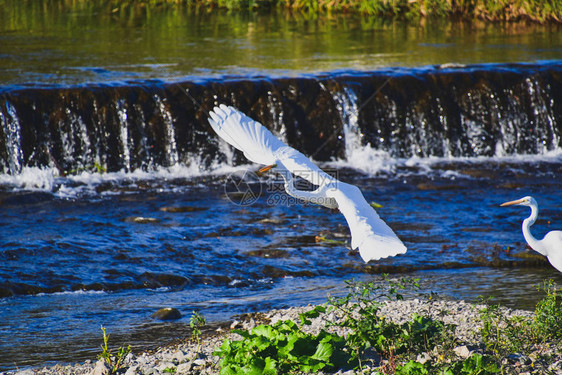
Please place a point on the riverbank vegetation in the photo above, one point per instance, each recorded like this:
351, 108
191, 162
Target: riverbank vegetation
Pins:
541, 11
371, 329
357, 336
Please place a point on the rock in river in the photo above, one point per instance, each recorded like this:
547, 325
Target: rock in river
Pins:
167, 313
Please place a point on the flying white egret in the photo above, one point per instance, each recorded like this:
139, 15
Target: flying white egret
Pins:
369, 233
551, 245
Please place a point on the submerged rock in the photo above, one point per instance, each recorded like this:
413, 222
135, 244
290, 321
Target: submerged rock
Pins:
167, 313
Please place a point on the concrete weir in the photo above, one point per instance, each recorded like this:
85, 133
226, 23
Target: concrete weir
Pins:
477, 110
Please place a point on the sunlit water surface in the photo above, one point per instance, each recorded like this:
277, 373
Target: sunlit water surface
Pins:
110, 250
42, 44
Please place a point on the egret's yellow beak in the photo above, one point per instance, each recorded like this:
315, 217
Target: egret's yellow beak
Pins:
511, 203
261, 171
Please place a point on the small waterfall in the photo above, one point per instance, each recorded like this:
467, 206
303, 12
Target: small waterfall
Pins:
276, 112
367, 118
362, 156
122, 114
172, 149
12, 158
75, 138
349, 113
542, 117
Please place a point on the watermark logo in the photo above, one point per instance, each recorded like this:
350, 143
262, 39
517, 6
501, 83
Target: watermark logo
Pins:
243, 187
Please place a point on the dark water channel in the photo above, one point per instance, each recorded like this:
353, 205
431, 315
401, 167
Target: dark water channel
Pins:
112, 184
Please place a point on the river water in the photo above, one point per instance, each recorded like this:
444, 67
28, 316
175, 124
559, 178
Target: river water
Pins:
117, 199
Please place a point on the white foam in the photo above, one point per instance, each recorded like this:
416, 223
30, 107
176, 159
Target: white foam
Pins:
364, 159
31, 178
373, 162
368, 161
85, 183
71, 293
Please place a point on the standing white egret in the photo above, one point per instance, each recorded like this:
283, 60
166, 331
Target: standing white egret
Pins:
369, 233
551, 245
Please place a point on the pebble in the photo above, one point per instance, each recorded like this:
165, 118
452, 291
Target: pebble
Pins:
185, 360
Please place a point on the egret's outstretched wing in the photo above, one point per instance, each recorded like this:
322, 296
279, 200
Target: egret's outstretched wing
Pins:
369, 232
299, 165
260, 146
256, 142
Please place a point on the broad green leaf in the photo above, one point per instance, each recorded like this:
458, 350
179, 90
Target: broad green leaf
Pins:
261, 343
230, 370
270, 367
266, 331
303, 347
309, 364
245, 334
412, 368
323, 352
256, 367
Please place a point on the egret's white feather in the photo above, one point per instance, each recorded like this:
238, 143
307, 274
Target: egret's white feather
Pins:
551, 245
256, 142
298, 164
369, 233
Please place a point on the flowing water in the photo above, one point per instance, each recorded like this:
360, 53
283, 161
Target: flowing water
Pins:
117, 199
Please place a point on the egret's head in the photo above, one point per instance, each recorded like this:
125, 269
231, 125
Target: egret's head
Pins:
265, 169
525, 201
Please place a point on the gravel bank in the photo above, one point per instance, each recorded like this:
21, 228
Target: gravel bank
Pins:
185, 359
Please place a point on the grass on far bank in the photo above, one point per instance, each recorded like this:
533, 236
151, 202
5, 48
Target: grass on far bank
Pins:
492, 10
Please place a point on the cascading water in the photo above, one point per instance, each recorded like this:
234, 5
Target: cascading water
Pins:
432, 113
12, 157
122, 112
363, 157
172, 149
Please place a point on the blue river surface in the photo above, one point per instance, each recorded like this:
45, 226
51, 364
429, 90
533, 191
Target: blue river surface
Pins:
116, 200
110, 249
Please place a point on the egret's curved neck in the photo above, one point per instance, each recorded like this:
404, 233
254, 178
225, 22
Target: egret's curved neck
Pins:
526, 227
294, 192
318, 196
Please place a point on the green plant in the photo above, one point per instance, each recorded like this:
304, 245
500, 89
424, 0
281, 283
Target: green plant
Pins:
283, 348
491, 330
113, 361
548, 313
422, 333
503, 335
476, 364
359, 311
197, 321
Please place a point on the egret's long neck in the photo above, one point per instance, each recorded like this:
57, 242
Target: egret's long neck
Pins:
526, 227
292, 191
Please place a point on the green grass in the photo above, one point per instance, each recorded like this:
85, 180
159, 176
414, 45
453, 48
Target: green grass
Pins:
504, 335
285, 347
113, 360
492, 10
